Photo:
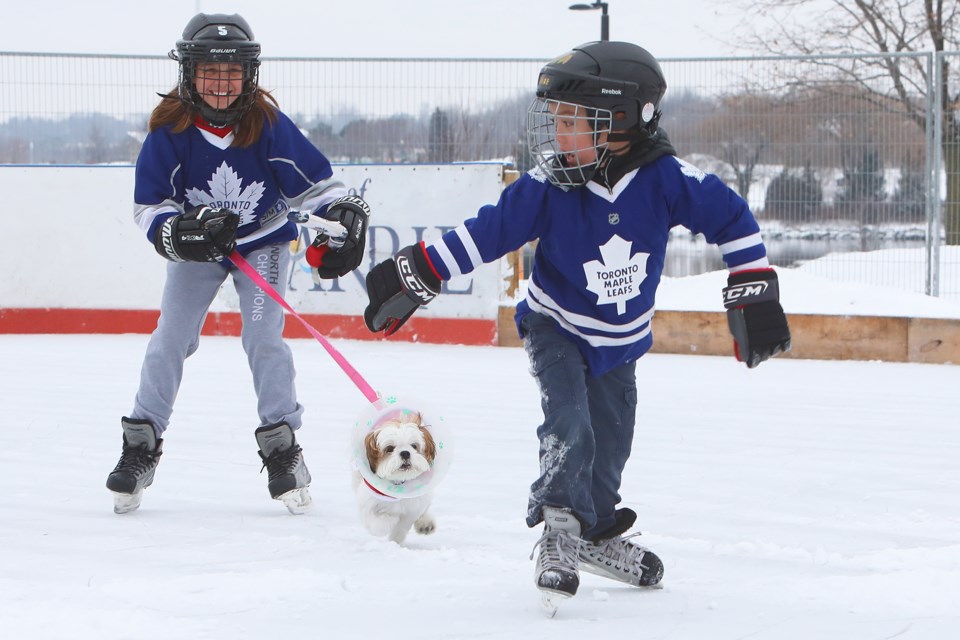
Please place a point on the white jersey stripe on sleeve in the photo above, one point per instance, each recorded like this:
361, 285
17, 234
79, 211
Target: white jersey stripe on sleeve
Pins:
762, 263
145, 215
447, 257
752, 240
469, 246
330, 190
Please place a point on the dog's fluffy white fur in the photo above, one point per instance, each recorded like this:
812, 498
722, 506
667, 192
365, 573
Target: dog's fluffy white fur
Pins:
398, 451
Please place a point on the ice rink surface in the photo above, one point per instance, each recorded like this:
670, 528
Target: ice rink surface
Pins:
802, 499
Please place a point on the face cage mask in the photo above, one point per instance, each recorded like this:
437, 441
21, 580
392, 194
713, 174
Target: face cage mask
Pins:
561, 164
230, 114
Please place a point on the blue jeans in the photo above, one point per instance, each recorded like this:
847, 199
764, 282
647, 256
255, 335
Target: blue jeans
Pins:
587, 428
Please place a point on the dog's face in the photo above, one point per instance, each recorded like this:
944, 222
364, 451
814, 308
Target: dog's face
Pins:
400, 450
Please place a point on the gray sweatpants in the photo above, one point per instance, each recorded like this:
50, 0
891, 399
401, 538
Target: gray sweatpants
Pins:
189, 290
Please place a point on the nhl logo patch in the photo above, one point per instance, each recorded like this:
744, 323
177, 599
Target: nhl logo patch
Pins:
613, 218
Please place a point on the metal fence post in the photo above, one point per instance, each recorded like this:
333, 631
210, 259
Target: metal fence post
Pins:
936, 211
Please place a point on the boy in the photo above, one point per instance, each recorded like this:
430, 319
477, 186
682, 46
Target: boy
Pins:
606, 191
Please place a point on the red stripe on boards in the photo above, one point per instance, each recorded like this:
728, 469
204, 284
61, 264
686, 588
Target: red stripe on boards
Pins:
111, 321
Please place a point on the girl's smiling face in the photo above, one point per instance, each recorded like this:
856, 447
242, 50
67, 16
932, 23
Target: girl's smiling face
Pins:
219, 83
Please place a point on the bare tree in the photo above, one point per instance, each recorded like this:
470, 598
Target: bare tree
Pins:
737, 136
96, 146
883, 28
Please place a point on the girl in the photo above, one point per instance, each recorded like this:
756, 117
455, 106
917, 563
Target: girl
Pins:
219, 170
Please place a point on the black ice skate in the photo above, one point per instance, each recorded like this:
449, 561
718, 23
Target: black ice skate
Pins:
556, 570
287, 474
138, 462
613, 556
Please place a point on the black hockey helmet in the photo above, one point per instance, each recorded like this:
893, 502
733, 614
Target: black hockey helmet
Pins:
218, 38
615, 87
614, 76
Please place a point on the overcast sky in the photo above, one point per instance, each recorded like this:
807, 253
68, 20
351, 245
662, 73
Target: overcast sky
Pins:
538, 29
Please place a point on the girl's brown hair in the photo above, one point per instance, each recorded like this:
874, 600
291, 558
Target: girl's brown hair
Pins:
179, 116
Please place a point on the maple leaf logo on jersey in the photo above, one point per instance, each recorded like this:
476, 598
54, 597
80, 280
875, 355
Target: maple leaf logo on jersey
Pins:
227, 192
617, 277
690, 171
538, 174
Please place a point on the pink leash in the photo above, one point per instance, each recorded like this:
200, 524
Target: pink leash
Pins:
352, 373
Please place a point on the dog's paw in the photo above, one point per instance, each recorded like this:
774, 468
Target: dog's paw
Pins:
379, 524
425, 525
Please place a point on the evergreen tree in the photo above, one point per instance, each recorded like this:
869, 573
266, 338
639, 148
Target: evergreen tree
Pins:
863, 183
440, 140
910, 196
794, 196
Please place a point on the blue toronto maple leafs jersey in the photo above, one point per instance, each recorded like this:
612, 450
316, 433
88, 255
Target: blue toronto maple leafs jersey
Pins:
281, 171
601, 253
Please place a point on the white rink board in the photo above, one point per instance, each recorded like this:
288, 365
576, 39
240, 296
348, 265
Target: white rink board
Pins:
69, 239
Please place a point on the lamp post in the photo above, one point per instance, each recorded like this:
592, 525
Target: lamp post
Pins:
604, 18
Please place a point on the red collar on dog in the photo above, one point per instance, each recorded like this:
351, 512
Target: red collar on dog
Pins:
374, 489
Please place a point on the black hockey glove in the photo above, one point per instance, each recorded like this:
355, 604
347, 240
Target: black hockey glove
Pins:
397, 287
756, 319
202, 234
334, 258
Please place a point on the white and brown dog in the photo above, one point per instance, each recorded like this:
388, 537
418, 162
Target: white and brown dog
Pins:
398, 451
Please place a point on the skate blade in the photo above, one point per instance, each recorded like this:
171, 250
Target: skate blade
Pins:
126, 502
297, 501
550, 601
616, 578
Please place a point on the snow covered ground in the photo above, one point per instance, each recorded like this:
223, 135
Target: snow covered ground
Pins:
799, 500
888, 282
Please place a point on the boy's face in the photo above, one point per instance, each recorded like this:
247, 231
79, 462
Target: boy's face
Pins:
575, 135
219, 83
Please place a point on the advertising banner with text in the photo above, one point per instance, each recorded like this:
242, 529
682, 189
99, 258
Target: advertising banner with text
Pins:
69, 237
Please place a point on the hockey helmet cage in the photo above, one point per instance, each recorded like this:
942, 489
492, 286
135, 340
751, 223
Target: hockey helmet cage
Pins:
218, 38
615, 87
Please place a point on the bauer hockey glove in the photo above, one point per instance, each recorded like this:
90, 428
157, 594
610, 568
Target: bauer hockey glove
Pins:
202, 234
398, 287
755, 317
331, 257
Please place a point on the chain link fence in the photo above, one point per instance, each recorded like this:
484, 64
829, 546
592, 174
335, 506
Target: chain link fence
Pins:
851, 163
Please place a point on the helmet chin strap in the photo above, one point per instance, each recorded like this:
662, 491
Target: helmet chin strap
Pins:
613, 158
637, 134
219, 118
645, 146
611, 169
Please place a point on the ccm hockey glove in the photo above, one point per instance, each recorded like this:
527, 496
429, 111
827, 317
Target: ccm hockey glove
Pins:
332, 258
398, 287
755, 317
202, 234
